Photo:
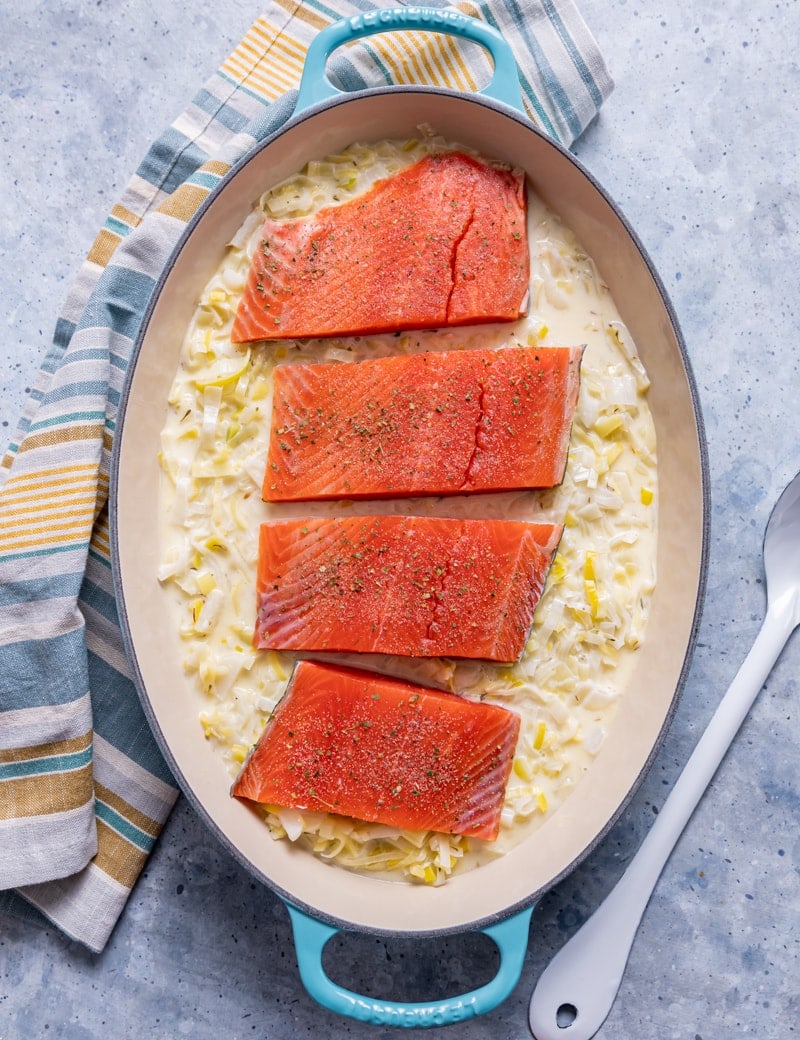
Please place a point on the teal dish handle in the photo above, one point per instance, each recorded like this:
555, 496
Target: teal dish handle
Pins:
503, 86
311, 935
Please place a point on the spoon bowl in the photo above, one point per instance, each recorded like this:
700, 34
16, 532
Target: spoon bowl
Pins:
782, 544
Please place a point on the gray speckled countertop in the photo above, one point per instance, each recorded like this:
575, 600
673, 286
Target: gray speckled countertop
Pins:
698, 145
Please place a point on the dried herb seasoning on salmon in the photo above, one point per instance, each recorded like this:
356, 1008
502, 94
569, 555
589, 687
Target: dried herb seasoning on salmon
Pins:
442, 242
407, 585
383, 750
435, 423
594, 611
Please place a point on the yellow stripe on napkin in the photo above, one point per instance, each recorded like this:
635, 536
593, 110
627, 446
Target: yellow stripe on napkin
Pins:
267, 62
40, 796
117, 857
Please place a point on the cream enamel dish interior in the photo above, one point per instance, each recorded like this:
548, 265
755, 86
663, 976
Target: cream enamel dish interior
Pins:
478, 897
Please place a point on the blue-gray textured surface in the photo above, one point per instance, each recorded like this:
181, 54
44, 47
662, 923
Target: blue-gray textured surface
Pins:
698, 146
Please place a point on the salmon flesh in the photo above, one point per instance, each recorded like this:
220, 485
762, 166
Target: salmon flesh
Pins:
407, 585
383, 750
442, 242
422, 424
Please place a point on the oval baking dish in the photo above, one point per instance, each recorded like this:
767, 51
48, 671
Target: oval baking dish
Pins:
498, 897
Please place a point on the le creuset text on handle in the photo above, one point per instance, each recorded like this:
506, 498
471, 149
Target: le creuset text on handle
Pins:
311, 935
316, 87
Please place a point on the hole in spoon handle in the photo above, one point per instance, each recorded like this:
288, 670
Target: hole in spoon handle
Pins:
566, 1015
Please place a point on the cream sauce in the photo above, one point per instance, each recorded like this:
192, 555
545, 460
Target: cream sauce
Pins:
592, 615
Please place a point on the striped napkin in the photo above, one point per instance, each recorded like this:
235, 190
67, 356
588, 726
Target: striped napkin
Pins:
84, 791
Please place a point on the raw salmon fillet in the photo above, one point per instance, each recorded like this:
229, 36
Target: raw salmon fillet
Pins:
422, 424
407, 585
385, 751
441, 242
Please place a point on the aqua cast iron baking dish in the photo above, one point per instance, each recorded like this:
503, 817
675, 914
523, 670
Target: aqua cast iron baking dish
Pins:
499, 897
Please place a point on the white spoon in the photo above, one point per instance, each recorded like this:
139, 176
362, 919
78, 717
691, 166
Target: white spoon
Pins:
576, 991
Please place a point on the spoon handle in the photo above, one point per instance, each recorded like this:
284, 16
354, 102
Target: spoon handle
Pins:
576, 991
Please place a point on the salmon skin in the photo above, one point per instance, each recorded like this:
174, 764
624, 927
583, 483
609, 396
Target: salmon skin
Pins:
383, 750
422, 424
442, 242
406, 585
